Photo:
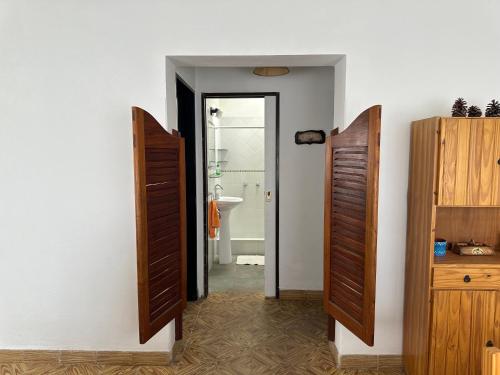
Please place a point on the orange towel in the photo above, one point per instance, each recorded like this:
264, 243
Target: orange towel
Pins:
213, 218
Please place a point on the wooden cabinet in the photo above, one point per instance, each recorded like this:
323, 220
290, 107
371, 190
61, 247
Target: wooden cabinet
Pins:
452, 303
463, 323
469, 155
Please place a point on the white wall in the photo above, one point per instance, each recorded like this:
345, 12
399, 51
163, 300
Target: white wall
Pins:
67, 243
306, 101
69, 72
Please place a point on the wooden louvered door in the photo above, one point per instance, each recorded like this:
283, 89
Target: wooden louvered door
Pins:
160, 201
351, 196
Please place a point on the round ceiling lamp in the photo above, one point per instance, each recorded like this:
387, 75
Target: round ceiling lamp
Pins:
271, 71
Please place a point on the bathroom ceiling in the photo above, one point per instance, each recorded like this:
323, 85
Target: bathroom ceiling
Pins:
253, 61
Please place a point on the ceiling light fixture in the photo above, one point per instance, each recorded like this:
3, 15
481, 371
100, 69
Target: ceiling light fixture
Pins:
271, 71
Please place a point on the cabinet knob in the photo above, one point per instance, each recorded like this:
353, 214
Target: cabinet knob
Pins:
498, 161
467, 279
489, 344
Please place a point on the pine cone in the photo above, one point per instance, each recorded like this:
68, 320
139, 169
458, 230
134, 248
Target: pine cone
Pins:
459, 108
474, 111
493, 109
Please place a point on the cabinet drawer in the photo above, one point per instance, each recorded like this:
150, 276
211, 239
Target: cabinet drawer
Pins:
465, 278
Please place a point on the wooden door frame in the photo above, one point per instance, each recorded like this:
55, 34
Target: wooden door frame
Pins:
236, 95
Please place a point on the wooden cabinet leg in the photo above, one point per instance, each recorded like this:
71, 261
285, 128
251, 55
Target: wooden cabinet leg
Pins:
331, 328
178, 327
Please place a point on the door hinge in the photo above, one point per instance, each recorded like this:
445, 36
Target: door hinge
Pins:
134, 140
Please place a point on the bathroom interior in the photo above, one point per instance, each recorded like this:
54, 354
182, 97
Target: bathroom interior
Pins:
235, 162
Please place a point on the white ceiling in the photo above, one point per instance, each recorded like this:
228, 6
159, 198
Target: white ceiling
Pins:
252, 61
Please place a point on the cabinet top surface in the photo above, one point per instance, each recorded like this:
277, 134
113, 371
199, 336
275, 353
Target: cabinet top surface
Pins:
459, 118
452, 260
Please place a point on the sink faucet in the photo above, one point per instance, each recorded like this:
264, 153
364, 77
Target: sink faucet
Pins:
216, 191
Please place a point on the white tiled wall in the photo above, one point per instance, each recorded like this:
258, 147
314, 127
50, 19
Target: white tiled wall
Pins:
244, 173
241, 121
245, 148
247, 220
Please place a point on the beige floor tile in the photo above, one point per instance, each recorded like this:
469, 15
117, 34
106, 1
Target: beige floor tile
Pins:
11, 369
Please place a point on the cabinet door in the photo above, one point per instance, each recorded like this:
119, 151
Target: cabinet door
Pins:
454, 161
484, 326
495, 198
462, 324
450, 332
469, 168
484, 152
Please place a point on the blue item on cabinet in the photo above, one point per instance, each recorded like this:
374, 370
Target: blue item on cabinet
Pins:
440, 247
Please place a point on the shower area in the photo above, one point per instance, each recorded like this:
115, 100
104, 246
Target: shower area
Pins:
235, 173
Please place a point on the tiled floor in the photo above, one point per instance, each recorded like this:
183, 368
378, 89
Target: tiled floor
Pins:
236, 333
236, 277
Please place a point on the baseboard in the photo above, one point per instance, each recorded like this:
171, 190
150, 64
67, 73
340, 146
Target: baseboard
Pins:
88, 357
301, 295
366, 362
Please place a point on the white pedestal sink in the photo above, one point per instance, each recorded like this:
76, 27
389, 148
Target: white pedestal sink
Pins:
226, 204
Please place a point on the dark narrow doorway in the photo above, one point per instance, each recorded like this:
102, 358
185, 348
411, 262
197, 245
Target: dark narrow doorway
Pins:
186, 126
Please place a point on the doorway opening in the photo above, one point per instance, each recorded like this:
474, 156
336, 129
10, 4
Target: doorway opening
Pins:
240, 158
186, 124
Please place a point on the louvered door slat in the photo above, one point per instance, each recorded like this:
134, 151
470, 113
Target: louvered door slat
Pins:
353, 222
346, 182
351, 189
352, 256
351, 282
356, 173
349, 232
348, 244
349, 253
343, 190
160, 213
346, 270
